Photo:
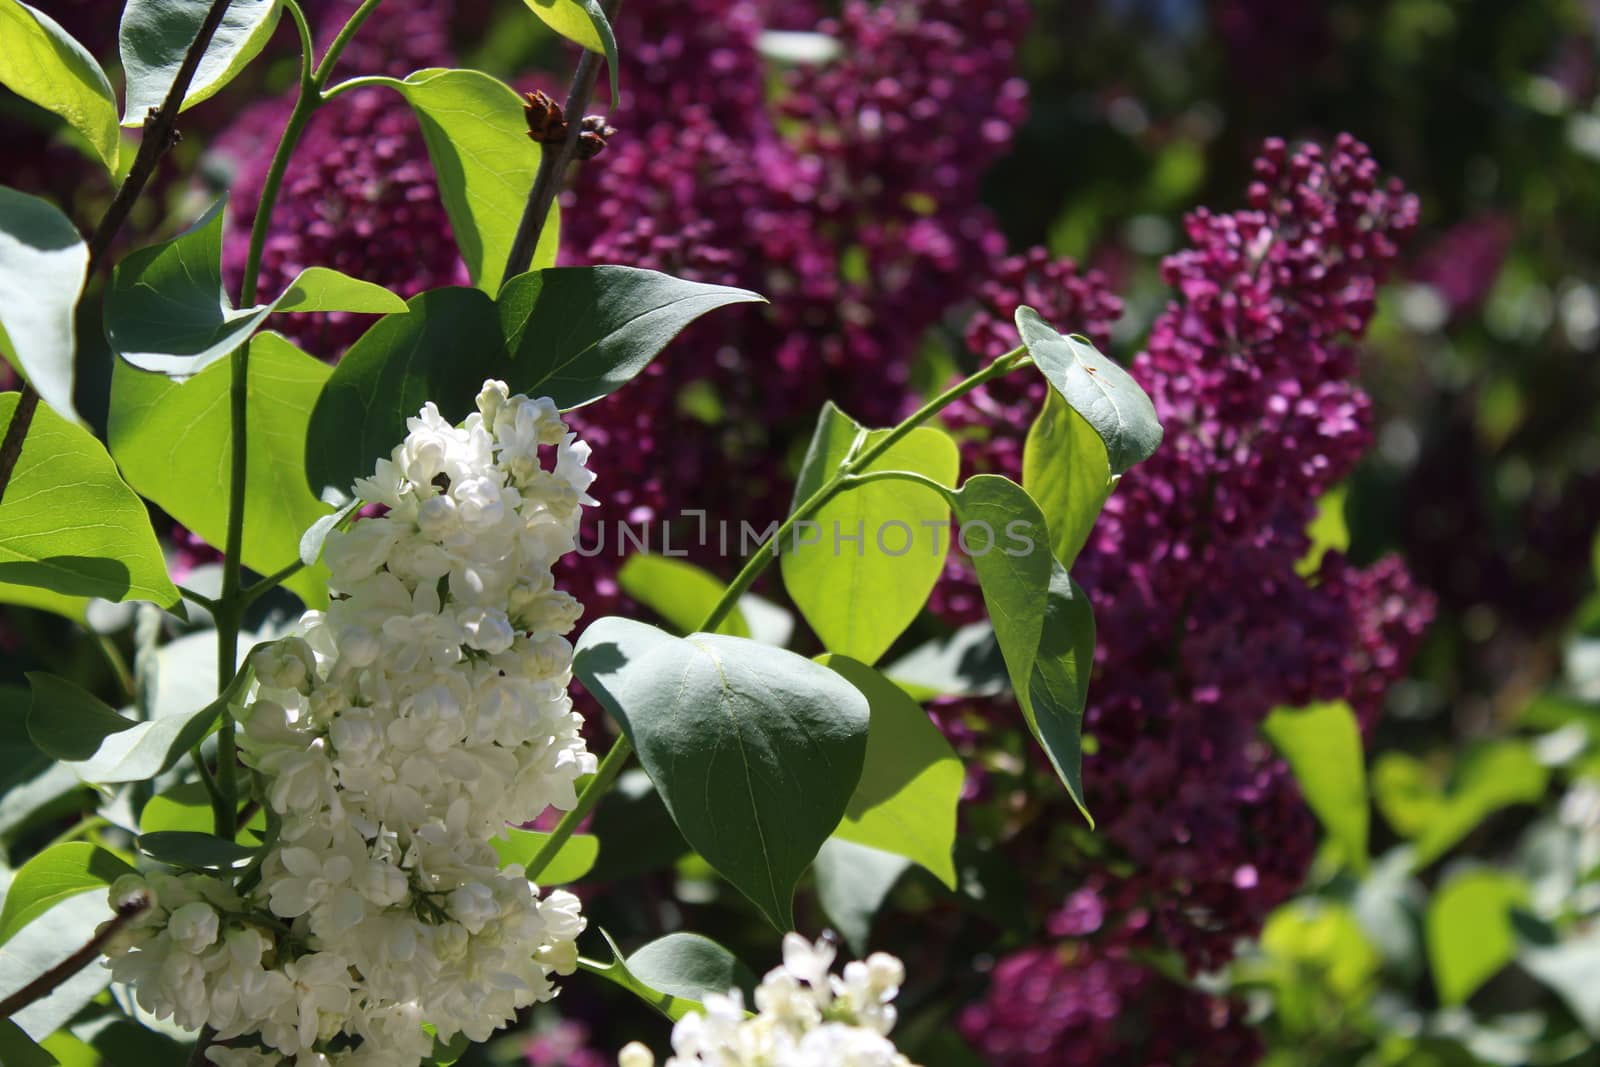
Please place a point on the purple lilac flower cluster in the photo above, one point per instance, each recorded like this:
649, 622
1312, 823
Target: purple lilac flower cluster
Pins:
1068, 1006
850, 201
1205, 624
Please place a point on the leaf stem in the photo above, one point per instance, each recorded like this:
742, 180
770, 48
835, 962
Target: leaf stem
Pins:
119, 666
553, 164
848, 471
198, 598
260, 588
230, 605
610, 767
160, 134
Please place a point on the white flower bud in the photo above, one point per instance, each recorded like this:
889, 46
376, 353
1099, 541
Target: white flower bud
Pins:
634, 1054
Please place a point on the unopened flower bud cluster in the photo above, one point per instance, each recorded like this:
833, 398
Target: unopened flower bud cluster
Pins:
425, 710
806, 1016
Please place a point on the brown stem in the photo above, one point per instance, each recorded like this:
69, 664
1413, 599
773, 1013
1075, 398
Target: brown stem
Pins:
553, 164
197, 1058
50, 980
160, 134
16, 433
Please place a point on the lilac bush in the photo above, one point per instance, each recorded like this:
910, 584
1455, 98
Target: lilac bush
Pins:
1213, 626
850, 196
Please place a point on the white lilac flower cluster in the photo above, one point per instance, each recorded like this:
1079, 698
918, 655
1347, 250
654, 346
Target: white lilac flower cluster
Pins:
806, 1016
425, 710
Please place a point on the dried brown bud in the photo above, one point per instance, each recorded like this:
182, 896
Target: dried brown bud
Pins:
594, 135
547, 124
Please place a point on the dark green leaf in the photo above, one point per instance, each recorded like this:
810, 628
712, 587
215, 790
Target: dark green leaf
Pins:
1042, 620
166, 310
445, 1052
42, 62
70, 524
442, 349
577, 334
910, 787
17, 1049
59, 872
165, 307
43, 263
69, 722
679, 592
121, 753
174, 443
156, 34
1103, 393
853, 881
1058, 689
861, 568
1322, 743
571, 862
1066, 471
186, 848
733, 733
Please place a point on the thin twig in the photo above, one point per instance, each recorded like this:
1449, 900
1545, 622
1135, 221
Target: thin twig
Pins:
16, 433
197, 1058
160, 134
553, 164
51, 980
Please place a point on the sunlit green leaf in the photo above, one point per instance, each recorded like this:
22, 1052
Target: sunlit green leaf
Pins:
484, 162
582, 22
59, 872
42, 62
70, 524
166, 310
911, 779
1329, 532
733, 732
173, 441
1469, 930
675, 973
860, 568
574, 859
1322, 743
1065, 470
679, 592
